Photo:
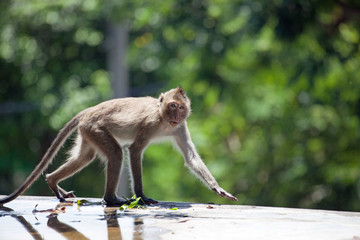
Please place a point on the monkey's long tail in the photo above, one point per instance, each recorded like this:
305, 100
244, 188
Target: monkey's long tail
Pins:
47, 158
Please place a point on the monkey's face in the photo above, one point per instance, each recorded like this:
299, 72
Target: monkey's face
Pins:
175, 106
177, 112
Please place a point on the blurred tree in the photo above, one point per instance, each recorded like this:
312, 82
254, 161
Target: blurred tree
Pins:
52, 66
279, 96
274, 86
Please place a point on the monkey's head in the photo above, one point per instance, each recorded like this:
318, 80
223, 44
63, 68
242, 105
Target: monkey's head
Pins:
174, 106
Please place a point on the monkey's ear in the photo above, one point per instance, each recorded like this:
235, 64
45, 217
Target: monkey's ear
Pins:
161, 98
181, 91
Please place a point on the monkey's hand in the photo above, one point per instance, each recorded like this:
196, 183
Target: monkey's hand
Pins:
221, 192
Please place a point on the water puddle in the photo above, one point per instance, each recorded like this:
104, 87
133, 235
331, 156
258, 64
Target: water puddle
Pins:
20, 220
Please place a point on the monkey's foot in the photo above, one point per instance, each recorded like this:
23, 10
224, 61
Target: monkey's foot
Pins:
69, 195
61, 194
65, 194
147, 201
115, 201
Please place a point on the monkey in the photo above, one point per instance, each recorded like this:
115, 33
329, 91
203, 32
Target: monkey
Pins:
106, 129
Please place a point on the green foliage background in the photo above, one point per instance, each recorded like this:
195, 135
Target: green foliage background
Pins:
274, 86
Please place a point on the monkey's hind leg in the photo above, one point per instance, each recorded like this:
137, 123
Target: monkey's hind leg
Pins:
81, 155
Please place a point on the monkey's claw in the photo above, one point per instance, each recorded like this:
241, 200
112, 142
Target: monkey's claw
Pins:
221, 192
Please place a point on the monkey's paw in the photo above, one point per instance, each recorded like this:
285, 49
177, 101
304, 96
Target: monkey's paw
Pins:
68, 194
148, 201
114, 201
221, 192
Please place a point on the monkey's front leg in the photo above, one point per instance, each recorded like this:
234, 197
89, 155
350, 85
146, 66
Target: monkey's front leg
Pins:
194, 162
136, 170
102, 140
112, 179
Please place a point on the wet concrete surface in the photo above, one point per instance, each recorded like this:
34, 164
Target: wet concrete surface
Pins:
45, 218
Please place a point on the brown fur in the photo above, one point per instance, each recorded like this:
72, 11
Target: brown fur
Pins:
108, 127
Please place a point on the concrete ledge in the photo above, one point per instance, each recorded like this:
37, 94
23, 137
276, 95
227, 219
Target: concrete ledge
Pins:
20, 219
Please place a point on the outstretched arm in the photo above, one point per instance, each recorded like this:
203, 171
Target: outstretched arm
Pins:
194, 162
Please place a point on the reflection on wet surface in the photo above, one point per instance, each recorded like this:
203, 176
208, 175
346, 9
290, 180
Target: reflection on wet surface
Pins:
138, 229
65, 230
75, 222
45, 218
29, 228
113, 228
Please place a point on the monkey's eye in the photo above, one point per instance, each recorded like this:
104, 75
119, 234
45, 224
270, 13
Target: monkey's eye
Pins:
182, 107
173, 105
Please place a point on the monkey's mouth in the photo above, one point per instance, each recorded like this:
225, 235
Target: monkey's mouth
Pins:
173, 123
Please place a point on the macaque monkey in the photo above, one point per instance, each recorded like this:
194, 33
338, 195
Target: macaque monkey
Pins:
109, 127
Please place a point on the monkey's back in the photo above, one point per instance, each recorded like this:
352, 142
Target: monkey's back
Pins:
123, 116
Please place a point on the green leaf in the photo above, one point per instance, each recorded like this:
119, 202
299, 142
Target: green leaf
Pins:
123, 207
84, 202
133, 204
